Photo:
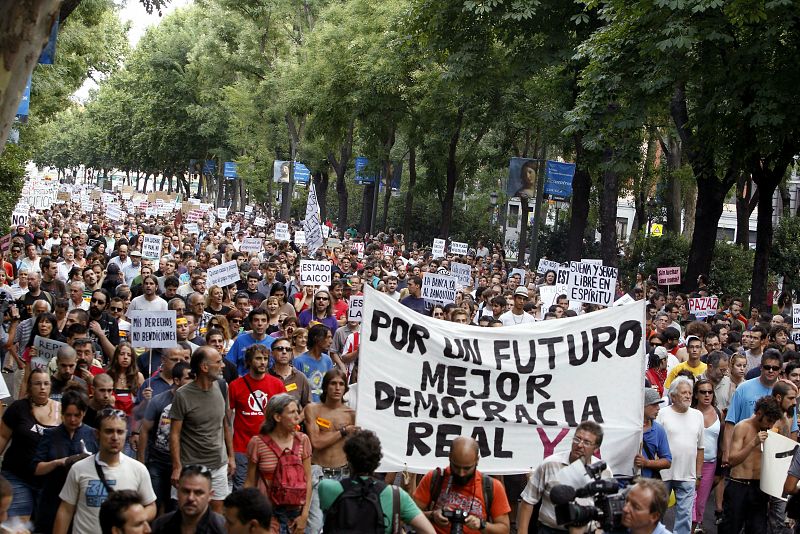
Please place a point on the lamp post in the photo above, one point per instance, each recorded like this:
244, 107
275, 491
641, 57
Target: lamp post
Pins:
493, 203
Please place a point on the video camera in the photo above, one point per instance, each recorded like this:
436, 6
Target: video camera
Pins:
608, 501
6, 301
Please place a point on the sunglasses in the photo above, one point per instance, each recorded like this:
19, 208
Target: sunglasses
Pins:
196, 469
323, 298
113, 309
106, 413
281, 349
772, 368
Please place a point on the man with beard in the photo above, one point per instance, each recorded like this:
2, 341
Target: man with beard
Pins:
90, 281
102, 326
455, 488
149, 299
193, 513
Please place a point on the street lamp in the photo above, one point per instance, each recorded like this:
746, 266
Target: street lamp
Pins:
493, 203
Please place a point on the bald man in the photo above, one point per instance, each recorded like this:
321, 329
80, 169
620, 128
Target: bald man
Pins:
461, 487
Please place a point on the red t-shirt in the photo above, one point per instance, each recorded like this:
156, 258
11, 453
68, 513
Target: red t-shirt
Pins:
340, 309
248, 410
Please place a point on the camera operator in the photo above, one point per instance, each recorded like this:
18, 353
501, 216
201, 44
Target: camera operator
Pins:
460, 495
644, 507
588, 438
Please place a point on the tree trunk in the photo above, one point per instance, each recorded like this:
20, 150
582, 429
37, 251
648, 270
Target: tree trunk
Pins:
671, 147
645, 184
579, 212
366, 207
340, 168
452, 178
608, 214
412, 181
387, 172
295, 133
744, 190
689, 199
321, 182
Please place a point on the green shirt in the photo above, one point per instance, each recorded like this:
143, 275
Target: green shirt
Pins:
330, 489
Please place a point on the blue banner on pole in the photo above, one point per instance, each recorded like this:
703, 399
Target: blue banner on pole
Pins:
362, 176
210, 167
558, 179
230, 170
301, 173
48, 55
24, 104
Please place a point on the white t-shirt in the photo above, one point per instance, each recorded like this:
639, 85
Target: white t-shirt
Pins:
84, 489
685, 436
509, 319
141, 303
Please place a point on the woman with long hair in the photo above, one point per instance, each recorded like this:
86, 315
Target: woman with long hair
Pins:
304, 299
45, 326
215, 301
273, 307
80, 257
235, 322
23, 424
278, 438
219, 322
299, 341
127, 378
704, 399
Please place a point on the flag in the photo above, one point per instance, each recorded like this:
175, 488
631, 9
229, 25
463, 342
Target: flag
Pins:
311, 224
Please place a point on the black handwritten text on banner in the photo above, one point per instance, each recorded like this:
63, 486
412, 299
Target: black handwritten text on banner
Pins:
520, 392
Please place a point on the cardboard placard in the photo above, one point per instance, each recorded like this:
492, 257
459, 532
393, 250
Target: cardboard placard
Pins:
282, 232
223, 275
151, 246
703, 307
458, 248
251, 244
462, 273
315, 273
439, 288
438, 248
355, 311
153, 329
669, 276
592, 283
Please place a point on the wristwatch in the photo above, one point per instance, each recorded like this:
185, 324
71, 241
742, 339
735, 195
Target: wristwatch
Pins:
483, 525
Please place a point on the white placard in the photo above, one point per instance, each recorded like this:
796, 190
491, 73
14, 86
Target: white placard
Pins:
521, 273
315, 273
223, 275
153, 329
248, 208
458, 248
192, 228
388, 250
46, 350
114, 212
592, 261
360, 248
776, 458
355, 311
326, 230
299, 238
592, 283
548, 295
151, 246
439, 288
150, 212
260, 221
669, 276
438, 248
547, 265
282, 231
251, 244
796, 316
624, 299
703, 307
436, 380
19, 219
462, 272
222, 213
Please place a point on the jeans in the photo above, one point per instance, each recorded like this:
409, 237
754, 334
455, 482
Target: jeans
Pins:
240, 475
24, 498
160, 474
315, 517
776, 517
684, 502
284, 516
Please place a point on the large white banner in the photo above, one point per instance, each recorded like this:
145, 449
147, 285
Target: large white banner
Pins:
312, 224
519, 391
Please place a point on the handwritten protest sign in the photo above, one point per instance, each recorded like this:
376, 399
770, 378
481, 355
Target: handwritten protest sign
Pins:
458, 248
669, 276
151, 246
153, 329
592, 283
388, 250
438, 248
300, 238
315, 273
624, 299
462, 273
192, 228
360, 248
702, 307
355, 311
282, 232
548, 296
260, 221
796, 316
439, 288
222, 213
547, 265
512, 389
251, 244
46, 350
223, 275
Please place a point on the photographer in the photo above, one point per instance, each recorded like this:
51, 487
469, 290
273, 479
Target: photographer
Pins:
443, 494
645, 506
588, 438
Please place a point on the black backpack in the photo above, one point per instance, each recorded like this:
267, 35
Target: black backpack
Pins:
358, 508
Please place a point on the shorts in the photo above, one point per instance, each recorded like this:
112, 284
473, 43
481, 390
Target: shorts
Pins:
219, 484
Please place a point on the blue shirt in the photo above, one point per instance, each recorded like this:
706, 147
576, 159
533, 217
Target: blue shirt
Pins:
305, 318
236, 353
744, 400
419, 305
314, 370
158, 385
656, 440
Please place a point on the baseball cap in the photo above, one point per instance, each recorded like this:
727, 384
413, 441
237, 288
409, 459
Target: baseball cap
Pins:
661, 352
521, 291
651, 396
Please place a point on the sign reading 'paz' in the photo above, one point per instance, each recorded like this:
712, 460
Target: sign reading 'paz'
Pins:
519, 391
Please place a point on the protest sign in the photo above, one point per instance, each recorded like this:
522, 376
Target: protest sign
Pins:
462, 273
438, 248
114, 212
360, 248
669, 276
315, 273
439, 288
592, 261
299, 238
547, 265
282, 232
795, 337
46, 350
19, 219
150, 212
521, 273
326, 230
223, 275
388, 250
251, 244
260, 221
458, 248
776, 458
795, 315
222, 213
592, 283
624, 299
512, 389
192, 228
154, 329
151, 246
355, 311
702, 307
548, 295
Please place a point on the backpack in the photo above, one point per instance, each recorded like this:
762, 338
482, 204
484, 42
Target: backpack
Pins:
487, 483
288, 487
358, 508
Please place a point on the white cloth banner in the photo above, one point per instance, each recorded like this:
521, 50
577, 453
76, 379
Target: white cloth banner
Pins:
153, 329
151, 246
223, 275
520, 392
311, 224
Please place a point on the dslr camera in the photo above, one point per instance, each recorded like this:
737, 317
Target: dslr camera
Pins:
456, 518
608, 501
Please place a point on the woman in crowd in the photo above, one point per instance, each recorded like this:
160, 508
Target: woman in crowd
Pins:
219, 322
127, 378
22, 424
299, 341
703, 399
59, 448
279, 436
273, 307
235, 321
45, 326
214, 301
288, 326
304, 299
